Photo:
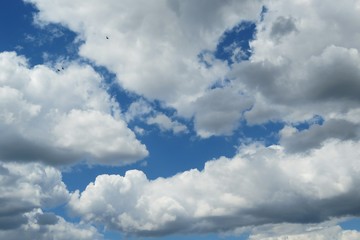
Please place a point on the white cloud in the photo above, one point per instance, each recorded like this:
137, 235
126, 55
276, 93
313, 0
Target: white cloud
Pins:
303, 232
100, 135
14, 108
138, 110
259, 185
167, 124
139, 130
153, 47
60, 117
144, 111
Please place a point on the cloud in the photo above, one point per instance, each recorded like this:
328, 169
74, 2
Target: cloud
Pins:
167, 124
45, 226
60, 117
100, 135
154, 47
26, 187
47, 219
260, 185
317, 77
287, 231
138, 110
304, 63
302, 141
142, 110
281, 27
219, 111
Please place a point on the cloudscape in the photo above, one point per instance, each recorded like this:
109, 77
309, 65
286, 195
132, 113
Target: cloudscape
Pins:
180, 119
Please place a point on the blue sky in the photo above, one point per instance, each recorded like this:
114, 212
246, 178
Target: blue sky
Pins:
179, 120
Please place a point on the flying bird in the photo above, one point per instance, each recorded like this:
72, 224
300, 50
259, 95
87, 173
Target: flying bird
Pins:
107, 37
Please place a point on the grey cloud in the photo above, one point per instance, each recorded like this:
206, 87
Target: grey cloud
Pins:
267, 78
47, 219
290, 231
12, 222
314, 136
53, 227
282, 26
219, 111
17, 148
24, 192
335, 75
303, 210
25, 189
13, 206
327, 83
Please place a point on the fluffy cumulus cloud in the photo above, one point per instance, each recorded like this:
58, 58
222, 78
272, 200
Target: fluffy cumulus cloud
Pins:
26, 189
260, 185
154, 47
45, 115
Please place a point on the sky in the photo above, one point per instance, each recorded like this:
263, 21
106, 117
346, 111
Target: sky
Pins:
180, 119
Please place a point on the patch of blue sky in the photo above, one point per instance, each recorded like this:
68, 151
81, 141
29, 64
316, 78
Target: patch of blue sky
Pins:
120, 95
212, 236
317, 119
351, 224
265, 133
263, 12
183, 152
109, 234
234, 45
169, 155
49, 43
15, 20
221, 83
